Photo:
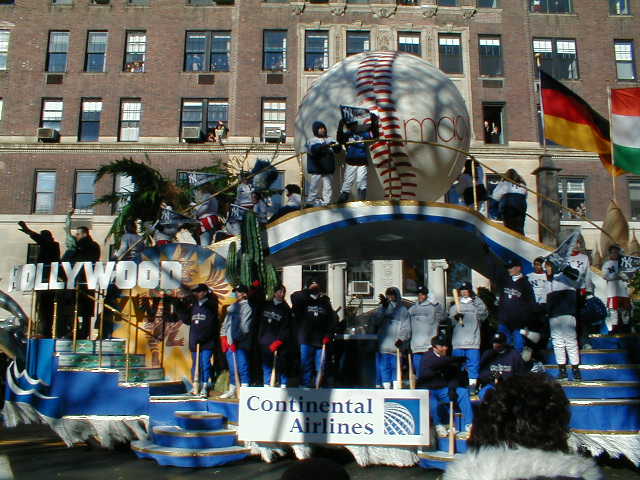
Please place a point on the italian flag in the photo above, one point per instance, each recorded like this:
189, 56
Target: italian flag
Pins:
625, 128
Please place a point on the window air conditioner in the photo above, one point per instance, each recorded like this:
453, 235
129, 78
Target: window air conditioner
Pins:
272, 134
48, 135
359, 287
191, 134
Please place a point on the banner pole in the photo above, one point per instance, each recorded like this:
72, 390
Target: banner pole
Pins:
613, 159
544, 137
75, 321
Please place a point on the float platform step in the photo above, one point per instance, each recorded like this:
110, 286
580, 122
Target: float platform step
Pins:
198, 420
609, 414
620, 372
190, 458
627, 341
601, 389
173, 436
598, 357
443, 444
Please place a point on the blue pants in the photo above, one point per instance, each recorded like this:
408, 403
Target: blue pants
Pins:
439, 406
267, 366
514, 337
473, 360
205, 366
386, 366
417, 363
484, 390
243, 366
310, 358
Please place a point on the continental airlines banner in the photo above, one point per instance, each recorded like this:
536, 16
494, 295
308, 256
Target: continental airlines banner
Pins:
334, 416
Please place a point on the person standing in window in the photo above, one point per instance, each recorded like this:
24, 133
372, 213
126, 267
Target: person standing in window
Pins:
511, 193
321, 165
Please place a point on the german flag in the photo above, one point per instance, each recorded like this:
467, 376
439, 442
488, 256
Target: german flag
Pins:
571, 122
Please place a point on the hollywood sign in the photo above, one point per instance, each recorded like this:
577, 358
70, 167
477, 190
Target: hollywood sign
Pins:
165, 275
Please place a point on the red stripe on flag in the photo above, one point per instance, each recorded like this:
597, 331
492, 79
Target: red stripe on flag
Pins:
625, 101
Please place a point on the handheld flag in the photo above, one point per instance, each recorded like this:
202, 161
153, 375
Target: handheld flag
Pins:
169, 217
625, 128
559, 258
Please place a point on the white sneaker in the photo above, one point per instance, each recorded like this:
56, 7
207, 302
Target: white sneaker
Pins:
283, 385
205, 390
442, 430
466, 434
229, 393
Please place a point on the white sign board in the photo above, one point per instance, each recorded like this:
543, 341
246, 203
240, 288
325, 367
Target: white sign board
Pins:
334, 416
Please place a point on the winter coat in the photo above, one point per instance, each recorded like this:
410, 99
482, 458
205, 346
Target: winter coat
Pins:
87, 250
237, 324
562, 297
616, 284
320, 153
424, 318
203, 319
317, 320
275, 323
509, 361
510, 195
519, 463
467, 333
517, 302
357, 153
391, 323
439, 372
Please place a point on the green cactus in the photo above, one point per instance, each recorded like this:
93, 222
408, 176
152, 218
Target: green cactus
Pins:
246, 269
232, 264
271, 280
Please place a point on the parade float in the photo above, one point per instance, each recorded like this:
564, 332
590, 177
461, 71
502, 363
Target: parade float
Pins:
131, 385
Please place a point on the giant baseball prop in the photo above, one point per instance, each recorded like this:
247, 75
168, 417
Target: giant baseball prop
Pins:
413, 101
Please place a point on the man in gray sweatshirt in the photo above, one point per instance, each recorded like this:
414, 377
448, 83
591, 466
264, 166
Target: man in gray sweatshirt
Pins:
466, 330
392, 324
425, 315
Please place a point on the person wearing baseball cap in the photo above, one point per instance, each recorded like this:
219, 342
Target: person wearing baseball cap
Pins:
203, 320
499, 363
235, 338
468, 317
425, 316
446, 382
274, 332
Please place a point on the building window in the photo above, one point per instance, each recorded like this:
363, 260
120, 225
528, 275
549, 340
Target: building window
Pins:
207, 51
450, 52
490, 56
135, 52
550, 6
274, 56
559, 57
123, 187
625, 63
274, 114
4, 48
488, 3
44, 196
457, 274
51, 114
572, 194
492, 119
1, 107
619, 7
33, 251
130, 116
361, 271
90, 120
318, 273
634, 198
409, 42
57, 52
204, 113
448, 3
358, 42
413, 276
316, 50
96, 61
85, 191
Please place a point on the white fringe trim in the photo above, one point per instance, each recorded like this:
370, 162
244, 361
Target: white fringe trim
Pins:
615, 445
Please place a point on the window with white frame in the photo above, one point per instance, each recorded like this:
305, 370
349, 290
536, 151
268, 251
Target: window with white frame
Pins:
358, 42
619, 7
204, 113
207, 51
90, 113
490, 52
274, 58
625, 63
572, 194
4, 48
316, 50
135, 52
274, 113
450, 53
123, 187
45, 191
85, 191
51, 115
130, 117
558, 56
409, 42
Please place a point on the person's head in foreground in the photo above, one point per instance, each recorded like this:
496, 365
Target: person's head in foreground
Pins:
521, 432
315, 469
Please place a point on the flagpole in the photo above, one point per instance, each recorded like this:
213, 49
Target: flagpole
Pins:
613, 159
544, 137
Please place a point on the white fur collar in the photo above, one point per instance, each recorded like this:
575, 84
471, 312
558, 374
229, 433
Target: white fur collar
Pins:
502, 463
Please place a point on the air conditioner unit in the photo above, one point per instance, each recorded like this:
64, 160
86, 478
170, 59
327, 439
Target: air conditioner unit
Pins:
48, 135
191, 134
359, 287
272, 134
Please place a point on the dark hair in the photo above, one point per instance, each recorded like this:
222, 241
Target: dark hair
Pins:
280, 286
46, 234
539, 260
315, 469
293, 188
83, 229
527, 410
511, 174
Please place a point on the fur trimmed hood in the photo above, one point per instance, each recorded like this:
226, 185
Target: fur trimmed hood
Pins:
502, 463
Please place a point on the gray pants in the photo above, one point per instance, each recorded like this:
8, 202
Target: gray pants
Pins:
564, 338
